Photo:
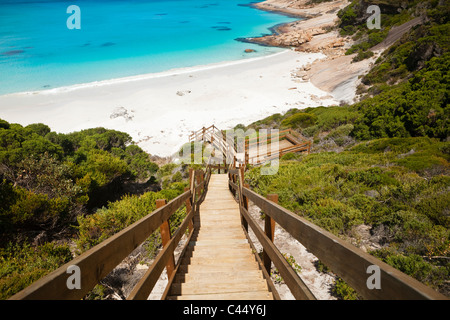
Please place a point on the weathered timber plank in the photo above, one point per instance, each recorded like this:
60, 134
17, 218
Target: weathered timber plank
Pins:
220, 260
256, 295
293, 281
216, 276
218, 287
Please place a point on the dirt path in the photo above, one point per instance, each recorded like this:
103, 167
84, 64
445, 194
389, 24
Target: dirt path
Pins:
396, 33
336, 74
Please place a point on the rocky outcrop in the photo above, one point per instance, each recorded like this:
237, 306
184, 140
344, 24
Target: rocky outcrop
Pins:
301, 73
321, 18
288, 39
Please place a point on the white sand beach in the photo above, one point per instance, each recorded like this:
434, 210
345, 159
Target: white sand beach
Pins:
160, 110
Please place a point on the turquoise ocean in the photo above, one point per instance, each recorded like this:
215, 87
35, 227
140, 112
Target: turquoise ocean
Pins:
122, 38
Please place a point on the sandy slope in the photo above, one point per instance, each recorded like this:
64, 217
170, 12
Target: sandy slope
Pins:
335, 73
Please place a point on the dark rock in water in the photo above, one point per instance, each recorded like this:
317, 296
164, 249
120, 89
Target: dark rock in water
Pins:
12, 52
160, 14
108, 44
221, 28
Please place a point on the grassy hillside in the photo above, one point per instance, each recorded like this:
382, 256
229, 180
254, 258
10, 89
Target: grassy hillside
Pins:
378, 175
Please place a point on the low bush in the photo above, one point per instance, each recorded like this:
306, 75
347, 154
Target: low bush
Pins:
299, 120
95, 228
21, 265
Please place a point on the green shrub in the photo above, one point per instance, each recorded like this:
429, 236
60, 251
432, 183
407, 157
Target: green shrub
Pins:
95, 228
329, 118
177, 177
20, 266
416, 108
103, 167
341, 134
348, 15
362, 55
436, 208
343, 291
299, 120
290, 156
372, 177
415, 266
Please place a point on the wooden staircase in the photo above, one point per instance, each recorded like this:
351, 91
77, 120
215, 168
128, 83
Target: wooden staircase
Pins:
218, 259
219, 263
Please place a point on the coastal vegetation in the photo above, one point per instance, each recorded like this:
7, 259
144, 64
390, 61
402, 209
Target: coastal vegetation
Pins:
353, 19
381, 164
378, 174
61, 194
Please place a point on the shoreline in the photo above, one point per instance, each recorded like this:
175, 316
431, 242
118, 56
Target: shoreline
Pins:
274, 6
160, 111
145, 76
336, 73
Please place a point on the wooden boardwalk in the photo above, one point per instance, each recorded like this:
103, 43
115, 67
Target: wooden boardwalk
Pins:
256, 156
219, 263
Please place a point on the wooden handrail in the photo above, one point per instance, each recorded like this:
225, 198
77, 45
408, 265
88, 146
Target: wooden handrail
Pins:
229, 152
281, 152
298, 288
99, 261
347, 261
280, 135
143, 288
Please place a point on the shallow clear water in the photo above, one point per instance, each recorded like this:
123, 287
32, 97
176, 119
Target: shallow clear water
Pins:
121, 38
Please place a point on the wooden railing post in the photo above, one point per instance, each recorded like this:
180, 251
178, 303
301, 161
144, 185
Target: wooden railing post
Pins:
165, 237
242, 199
191, 180
199, 179
269, 229
188, 204
202, 179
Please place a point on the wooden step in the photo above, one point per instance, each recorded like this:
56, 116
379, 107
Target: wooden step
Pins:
219, 246
223, 260
217, 236
255, 295
219, 262
234, 285
221, 220
212, 242
205, 277
197, 268
214, 253
229, 232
